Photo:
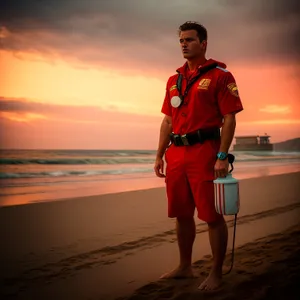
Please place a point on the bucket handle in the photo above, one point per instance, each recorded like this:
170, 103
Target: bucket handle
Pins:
231, 159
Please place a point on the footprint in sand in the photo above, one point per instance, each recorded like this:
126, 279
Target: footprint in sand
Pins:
243, 272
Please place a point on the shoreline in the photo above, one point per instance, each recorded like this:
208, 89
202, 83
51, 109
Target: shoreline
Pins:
72, 190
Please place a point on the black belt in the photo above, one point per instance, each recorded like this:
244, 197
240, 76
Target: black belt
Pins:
195, 137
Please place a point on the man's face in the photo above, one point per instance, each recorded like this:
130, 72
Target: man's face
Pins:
190, 44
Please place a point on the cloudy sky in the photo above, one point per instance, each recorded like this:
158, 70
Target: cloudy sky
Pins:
91, 74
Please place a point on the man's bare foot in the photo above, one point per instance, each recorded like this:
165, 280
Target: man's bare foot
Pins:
179, 272
212, 282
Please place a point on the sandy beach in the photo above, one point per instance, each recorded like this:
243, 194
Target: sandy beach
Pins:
267, 268
117, 245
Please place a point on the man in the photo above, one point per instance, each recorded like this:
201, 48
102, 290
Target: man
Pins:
200, 99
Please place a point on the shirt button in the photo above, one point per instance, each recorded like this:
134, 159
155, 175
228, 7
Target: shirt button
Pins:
183, 115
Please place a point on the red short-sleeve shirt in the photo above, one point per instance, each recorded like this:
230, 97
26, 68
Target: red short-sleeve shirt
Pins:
213, 95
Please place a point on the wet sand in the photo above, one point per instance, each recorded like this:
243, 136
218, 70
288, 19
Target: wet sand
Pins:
108, 246
92, 186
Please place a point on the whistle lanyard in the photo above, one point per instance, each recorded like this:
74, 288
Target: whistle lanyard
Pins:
192, 81
189, 85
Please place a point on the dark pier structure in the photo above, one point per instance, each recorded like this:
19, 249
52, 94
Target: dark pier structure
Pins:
253, 143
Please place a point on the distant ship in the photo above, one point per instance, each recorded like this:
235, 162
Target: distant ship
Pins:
253, 143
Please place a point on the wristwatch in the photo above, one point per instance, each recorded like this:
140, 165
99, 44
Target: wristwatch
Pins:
222, 155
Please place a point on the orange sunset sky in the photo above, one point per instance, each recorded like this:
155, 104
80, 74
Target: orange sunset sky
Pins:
92, 74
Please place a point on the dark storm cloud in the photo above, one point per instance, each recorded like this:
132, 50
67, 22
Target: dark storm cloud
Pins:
21, 107
267, 10
279, 23
143, 34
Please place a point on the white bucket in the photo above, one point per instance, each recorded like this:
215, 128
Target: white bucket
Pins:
227, 197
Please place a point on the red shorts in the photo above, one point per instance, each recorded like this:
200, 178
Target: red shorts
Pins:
189, 180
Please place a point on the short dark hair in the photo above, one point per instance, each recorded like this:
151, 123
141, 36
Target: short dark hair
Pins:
201, 30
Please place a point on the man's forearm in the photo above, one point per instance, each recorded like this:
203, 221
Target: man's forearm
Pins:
164, 137
227, 133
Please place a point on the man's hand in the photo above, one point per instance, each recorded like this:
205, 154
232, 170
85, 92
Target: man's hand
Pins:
164, 140
221, 168
159, 167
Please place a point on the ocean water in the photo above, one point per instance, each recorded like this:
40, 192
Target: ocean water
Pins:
28, 176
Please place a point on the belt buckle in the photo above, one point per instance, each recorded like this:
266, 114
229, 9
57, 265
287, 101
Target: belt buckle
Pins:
176, 140
200, 137
184, 140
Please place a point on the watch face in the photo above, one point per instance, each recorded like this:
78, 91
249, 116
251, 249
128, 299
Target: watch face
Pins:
222, 155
